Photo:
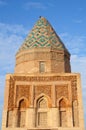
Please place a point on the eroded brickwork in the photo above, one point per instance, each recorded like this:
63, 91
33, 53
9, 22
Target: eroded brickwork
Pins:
46, 89
11, 94
22, 91
43, 87
61, 90
43, 93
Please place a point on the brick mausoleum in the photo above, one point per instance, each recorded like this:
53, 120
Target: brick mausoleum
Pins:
42, 93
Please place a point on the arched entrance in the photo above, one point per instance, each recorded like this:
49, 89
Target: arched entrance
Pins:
21, 113
42, 106
63, 113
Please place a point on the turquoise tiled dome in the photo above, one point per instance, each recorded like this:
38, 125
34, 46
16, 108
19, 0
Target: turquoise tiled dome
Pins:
42, 35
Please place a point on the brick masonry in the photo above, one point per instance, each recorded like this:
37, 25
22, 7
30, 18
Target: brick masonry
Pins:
42, 93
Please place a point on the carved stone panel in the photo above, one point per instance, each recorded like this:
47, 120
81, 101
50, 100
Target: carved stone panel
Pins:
46, 89
61, 90
22, 91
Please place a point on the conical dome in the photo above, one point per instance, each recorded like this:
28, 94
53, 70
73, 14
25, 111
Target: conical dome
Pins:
42, 35
43, 51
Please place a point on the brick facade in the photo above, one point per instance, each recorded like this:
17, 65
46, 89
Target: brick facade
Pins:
42, 93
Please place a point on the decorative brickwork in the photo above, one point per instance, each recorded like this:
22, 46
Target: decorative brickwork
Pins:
32, 55
42, 93
46, 89
42, 35
45, 78
22, 91
72, 79
74, 89
11, 94
62, 91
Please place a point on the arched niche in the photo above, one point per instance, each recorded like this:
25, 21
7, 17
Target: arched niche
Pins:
42, 102
41, 97
22, 105
42, 105
62, 104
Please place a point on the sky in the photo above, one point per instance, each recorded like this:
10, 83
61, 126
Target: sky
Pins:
68, 18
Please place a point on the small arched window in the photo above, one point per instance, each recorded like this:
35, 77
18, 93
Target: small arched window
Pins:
41, 66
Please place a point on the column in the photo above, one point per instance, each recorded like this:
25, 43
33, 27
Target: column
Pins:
80, 103
15, 117
32, 95
30, 118
69, 117
4, 116
53, 96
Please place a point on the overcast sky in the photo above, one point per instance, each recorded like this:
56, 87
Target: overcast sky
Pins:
68, 18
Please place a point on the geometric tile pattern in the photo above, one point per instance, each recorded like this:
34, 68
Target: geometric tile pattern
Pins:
42, 35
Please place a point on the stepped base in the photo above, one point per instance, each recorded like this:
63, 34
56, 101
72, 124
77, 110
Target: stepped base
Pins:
59, 128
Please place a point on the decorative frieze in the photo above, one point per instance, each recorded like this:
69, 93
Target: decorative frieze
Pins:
45, 78
24, 90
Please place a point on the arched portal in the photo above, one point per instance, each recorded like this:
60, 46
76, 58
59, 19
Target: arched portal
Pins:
63, 113
21, 113
42, 106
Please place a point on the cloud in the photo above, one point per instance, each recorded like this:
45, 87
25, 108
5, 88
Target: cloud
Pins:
35, 5
78, 21
75, 44
11, 37
78, 64
12, 29
2, 3
80, 9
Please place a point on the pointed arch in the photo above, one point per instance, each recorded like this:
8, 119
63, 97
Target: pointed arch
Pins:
42, 104
65, 100
62, 103
22, 105
25, 99
43, 96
